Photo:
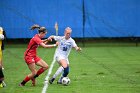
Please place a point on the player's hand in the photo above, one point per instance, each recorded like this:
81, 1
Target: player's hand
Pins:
45, 41
50, 39
78, 49
57, 43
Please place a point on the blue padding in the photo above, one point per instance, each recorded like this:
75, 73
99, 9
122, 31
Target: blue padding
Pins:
101, 18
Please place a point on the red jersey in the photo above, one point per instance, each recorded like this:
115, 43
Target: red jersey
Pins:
33, 45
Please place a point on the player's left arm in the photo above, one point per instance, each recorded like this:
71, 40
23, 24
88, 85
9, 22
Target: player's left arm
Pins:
45, 41
48, 46
75, 46
51, 37
78, 48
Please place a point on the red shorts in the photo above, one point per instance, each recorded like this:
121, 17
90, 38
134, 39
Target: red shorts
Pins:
30, 59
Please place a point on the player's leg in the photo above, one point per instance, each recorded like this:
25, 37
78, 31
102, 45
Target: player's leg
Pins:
30, 76
2, 60
1, 77
2, 84
44, 66
59, 71
64, 64
59, 81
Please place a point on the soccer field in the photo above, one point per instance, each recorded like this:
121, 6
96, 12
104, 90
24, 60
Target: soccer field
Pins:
104, 69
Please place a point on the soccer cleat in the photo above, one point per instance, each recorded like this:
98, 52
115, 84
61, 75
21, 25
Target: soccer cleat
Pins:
58, 82
21, 85
51, 80
4, 84
1, 85
33, 81
2, 68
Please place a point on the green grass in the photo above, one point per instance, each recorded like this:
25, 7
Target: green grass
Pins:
96, 70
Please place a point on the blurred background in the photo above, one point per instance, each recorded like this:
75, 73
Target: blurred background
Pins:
89, 19
108, 32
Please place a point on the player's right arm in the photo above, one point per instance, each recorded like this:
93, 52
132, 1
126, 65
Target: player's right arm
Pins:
47, 46
56, 38
51, 37
41, 43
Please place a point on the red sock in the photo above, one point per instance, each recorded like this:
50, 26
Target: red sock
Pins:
40, 71
26, 79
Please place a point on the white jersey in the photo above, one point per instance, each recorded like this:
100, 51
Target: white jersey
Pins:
64, 46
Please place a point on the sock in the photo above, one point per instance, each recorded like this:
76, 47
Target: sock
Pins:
1, 74
25, 80
59, 70
60, 79
66, 71
40, 71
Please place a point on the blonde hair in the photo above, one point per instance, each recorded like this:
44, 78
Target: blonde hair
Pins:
68, 28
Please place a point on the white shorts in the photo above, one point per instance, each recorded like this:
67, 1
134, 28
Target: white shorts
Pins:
60, 57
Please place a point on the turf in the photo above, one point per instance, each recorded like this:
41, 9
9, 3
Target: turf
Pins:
103, 69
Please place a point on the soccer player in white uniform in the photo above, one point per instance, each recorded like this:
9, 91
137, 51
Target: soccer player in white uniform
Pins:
65, 43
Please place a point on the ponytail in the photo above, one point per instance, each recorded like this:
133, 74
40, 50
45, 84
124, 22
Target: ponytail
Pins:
34, 27
40, 29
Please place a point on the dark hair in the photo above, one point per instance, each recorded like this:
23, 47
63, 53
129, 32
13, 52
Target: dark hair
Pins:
40, 29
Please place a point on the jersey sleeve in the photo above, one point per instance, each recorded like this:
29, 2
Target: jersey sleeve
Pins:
73, 43
38, 40
57, 38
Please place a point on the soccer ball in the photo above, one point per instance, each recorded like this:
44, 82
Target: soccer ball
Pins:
65, 81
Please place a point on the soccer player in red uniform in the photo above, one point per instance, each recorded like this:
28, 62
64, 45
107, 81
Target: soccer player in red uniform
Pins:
31, 58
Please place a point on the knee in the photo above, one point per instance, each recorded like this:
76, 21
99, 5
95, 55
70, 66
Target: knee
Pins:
46, 67
34, 73
64, 65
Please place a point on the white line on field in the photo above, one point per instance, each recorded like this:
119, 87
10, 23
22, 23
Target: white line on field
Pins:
44, 90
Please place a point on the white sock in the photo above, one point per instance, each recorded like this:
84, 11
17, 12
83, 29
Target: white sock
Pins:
59, 70
60, 79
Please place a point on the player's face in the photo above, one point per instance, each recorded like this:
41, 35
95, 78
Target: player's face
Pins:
67, 34
42, 35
